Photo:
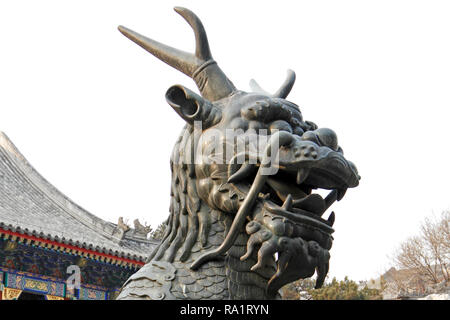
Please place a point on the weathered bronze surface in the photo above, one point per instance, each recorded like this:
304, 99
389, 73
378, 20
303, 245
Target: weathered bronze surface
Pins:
243, 219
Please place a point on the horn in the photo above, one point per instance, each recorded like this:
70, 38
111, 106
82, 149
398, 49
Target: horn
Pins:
210, 79
284, 90
257, 88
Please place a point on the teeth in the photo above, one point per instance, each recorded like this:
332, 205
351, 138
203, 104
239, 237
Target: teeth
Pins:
341, 193
331, 198
287, 205
313, 203
302, 174
331, 219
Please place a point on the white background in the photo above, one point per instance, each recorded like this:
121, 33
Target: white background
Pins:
86, 106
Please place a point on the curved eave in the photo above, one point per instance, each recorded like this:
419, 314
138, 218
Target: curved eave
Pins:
31, 206
67, 246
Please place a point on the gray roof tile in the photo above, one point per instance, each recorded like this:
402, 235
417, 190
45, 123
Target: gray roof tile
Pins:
30, 204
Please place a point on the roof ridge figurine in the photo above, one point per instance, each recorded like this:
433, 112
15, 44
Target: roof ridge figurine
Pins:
244, 220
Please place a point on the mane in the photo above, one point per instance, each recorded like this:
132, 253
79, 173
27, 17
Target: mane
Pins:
186, 220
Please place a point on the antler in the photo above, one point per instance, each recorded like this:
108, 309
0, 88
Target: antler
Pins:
284, 90
210, 79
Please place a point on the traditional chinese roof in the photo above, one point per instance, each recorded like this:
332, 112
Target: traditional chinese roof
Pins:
32, 208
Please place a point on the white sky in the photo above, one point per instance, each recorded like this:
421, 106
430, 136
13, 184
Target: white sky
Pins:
86, 106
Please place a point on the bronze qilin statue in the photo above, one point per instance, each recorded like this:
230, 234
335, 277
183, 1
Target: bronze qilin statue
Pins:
244, 220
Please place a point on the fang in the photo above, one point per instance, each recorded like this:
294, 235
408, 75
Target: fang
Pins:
302, 174
341, 194
287, 205
331, 219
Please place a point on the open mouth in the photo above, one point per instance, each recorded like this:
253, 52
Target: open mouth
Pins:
297, 196
293, 195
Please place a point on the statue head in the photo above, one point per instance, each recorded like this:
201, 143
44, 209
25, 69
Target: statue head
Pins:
253, 156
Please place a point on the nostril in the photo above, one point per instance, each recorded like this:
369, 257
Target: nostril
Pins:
296, 151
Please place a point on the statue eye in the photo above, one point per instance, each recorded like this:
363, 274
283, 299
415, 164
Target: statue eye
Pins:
239, 123
256, 125
280, 125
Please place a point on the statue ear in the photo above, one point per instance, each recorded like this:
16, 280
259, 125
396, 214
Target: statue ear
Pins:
192, 107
